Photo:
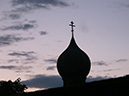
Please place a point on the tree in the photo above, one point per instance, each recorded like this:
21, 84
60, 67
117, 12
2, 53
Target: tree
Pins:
7, 88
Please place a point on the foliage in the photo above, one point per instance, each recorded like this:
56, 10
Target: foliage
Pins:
7, 88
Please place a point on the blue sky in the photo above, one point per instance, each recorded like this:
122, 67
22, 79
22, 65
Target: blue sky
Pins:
33, 33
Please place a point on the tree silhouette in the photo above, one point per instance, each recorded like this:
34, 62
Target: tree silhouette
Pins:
7, 88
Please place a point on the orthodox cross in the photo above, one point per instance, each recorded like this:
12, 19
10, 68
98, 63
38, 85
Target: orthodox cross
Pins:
72, 25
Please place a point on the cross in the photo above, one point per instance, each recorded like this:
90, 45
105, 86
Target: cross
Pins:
72, 25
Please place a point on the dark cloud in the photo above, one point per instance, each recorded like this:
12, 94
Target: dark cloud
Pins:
24, 57
123, 4
30, 59
14, 16
90, 78
108, 70
43, 81
22, 53
31, 21
122, 60
10, 39
100, 63
19, 27
51, 68
50, 60
8, 67
13, 60
27, 5
10, 15
19, 68
43, 33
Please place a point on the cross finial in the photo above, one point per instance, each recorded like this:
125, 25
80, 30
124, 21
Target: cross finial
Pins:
72, 25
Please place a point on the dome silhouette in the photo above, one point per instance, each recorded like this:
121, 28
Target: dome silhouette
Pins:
73, 64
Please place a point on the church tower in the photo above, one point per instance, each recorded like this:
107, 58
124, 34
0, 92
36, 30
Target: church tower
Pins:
73, 64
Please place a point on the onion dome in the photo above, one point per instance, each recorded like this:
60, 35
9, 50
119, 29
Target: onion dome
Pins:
73, 64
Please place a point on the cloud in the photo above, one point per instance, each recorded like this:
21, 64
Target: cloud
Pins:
100, 63
51, 68
43, 33
22, 53
28, 5
10, 15
51, 60
43, 81
123, 4
108, 70
14, 16
10, 39
24, 57
13, 60
91, 79
18, 68
31, 21
19, 27
122, 60
7, 67
29, 59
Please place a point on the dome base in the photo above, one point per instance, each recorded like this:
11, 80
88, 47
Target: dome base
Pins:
73, 81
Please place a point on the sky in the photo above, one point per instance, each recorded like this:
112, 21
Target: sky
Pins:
33, 33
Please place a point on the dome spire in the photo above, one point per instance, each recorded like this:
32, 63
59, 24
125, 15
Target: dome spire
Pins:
73, 64
72, 25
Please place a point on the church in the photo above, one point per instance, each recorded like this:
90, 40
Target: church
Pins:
73, 66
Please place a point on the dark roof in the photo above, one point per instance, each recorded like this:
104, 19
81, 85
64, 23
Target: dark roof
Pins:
110, 87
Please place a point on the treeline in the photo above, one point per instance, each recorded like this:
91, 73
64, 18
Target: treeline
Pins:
9, 88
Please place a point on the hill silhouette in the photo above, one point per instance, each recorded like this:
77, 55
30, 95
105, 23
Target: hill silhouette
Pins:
110, 87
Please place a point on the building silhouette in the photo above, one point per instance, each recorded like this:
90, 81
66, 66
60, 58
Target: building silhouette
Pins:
73, 64
110, 87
